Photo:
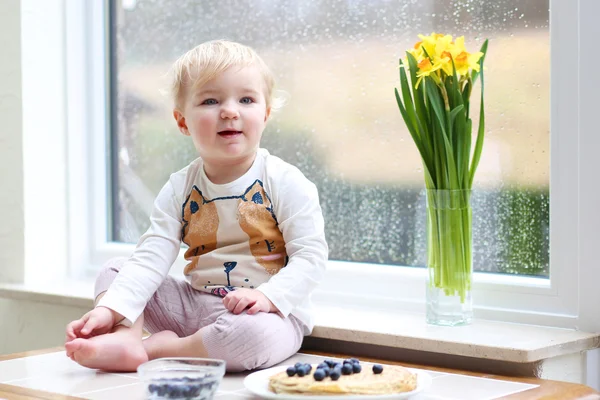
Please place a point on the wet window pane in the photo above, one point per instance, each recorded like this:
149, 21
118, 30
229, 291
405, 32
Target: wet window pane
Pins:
337, 62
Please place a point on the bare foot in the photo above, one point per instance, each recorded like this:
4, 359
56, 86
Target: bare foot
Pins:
108, 352
158, 343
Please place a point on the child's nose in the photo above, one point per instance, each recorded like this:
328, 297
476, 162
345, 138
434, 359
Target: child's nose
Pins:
229, 111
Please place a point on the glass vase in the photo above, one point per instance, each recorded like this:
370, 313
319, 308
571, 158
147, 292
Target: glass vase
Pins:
449, 257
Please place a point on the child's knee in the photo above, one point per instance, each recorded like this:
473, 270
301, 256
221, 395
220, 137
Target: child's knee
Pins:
243, 343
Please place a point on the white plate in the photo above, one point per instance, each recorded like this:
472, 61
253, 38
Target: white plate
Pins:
258, 383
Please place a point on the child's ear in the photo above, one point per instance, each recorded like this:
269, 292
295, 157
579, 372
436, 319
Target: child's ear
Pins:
180, 119
267, 114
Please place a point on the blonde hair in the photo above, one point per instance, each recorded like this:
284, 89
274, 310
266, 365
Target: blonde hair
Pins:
207, 60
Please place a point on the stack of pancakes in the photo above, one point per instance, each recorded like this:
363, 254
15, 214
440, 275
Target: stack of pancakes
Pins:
393, 379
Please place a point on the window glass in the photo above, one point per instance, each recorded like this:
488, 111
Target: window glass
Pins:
337, 63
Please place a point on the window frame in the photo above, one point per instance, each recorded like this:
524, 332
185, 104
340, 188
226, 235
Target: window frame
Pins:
557, 301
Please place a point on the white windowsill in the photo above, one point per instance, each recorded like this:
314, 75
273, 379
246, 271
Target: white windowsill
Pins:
482, 339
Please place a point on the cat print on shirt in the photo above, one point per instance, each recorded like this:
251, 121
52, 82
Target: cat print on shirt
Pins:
200, 224
256, 219
260, 224
222, 291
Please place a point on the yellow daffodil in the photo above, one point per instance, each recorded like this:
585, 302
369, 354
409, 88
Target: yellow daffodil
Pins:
459, 45
417, 51
437, 117
441, 51
445, 60
464, 61
427, 69
428, 43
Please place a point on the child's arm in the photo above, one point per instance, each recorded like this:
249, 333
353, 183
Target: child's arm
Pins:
151, 260
300, 218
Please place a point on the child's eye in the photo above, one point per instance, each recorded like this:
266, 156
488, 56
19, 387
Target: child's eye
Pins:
209, 102
246, 100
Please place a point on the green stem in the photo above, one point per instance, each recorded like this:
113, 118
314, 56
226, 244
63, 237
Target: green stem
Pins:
449, 237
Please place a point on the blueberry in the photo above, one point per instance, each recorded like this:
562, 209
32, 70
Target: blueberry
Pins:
152, 388
348, 361
356, 368
355, 360
186, 391
325, 371
347, 369
319, 375
173, 391
377, 368
162, 389
331, 363
322, 365
335, 374
195, 390
300, 371
308, 368
298, 365
291, 371
203, 388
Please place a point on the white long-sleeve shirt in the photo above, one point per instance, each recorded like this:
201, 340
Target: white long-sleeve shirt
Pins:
263, 231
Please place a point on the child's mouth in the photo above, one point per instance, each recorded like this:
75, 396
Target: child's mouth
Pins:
229, 133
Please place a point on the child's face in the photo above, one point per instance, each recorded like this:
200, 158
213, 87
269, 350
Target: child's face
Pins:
226, 117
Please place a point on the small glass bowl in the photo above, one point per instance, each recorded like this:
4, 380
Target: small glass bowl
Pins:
182, 378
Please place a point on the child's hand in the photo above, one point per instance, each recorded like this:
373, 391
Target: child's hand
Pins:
96, 322
240, 299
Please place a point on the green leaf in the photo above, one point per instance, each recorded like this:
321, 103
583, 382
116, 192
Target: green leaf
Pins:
456, 94
466, 151
406, 96
483, 49
457, 116
413, 120
457, 126
481, 129
419, 97
411, 129
439, 155
447, 158
466, 96
422, 115
456, 110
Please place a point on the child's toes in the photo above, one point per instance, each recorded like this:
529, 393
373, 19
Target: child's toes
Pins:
73, 346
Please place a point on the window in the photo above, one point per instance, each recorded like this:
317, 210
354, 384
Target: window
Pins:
338, 60
345, 149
